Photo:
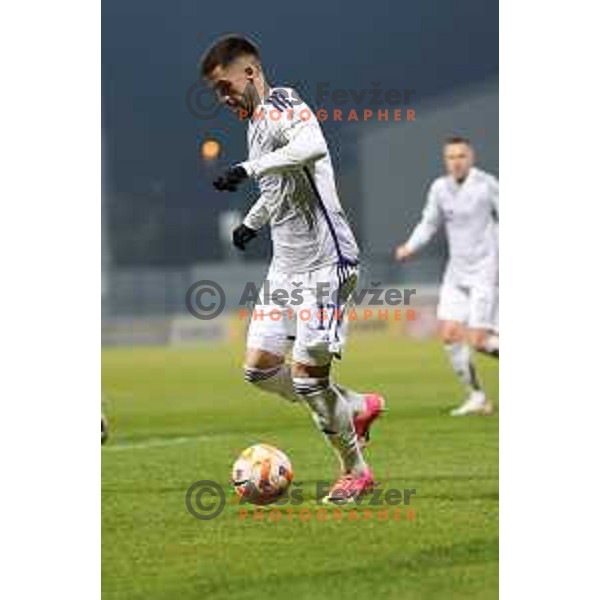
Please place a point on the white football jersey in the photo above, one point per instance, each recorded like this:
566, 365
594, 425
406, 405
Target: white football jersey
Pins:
288, 156
469, 213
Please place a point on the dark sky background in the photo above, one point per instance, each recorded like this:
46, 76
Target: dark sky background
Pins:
160, 206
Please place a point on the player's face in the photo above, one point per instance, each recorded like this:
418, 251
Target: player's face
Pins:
234, 84
458, 159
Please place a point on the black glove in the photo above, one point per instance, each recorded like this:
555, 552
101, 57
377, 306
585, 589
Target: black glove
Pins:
242, 235
229, 181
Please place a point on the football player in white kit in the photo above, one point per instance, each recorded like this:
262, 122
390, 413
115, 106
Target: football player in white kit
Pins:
314, 251
465, 202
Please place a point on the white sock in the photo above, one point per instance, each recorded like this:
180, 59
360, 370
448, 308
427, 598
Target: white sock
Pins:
277, 380
460, 359
333, 416
355, 400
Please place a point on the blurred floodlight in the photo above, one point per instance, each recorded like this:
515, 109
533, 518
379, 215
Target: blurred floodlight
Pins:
210, 149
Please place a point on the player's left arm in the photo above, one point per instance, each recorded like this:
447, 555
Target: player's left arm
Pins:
259, 213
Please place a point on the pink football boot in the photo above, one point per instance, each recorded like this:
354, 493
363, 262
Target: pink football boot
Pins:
349, 487
374, 406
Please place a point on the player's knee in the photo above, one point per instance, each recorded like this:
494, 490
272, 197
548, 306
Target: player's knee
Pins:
479, 345
261, 365
487, 343
262, 359
312, 359
450, 336
478, 340
305, 369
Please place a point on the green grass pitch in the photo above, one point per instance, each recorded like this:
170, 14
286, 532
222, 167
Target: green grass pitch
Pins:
181, 415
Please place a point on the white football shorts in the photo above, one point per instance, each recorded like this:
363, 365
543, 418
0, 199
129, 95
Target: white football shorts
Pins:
311, 318
475, 305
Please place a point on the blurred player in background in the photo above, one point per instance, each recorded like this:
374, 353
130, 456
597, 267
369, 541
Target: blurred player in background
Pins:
465, 202
312, 244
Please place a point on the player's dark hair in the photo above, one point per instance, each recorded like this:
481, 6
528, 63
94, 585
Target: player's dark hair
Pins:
457, 139
224, 51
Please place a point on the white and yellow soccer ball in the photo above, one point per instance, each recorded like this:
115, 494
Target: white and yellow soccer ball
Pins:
262, 474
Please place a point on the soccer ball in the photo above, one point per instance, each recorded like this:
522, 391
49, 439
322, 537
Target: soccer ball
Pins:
261, 474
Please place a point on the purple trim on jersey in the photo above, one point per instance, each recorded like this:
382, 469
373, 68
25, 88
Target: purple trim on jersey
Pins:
279, 102
343, 262
276, 104
281, 96
343, 274
315, 190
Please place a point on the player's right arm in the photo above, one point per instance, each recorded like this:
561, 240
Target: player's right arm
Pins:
431, 221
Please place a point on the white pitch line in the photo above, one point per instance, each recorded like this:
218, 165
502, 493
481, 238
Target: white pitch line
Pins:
156, 443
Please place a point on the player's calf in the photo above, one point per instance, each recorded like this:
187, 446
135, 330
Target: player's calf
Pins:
276, 380
269, 372
332, 415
